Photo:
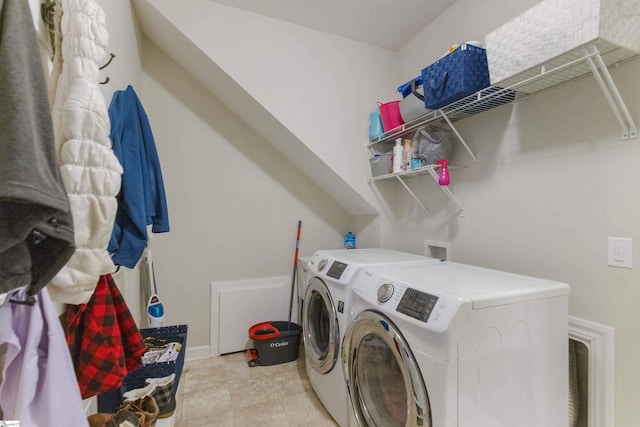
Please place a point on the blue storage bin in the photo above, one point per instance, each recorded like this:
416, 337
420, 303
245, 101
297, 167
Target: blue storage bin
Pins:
454, 76
111, 400
177, 333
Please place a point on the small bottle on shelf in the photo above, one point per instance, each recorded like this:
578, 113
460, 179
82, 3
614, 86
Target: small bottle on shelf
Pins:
408, 154
398, 156
444, 179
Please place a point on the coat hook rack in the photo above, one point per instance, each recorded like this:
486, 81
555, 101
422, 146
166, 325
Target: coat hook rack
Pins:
111, 56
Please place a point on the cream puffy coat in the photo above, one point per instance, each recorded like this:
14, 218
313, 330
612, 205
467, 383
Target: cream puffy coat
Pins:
90, 170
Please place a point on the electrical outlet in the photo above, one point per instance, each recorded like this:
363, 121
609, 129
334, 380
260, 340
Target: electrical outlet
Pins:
620, 252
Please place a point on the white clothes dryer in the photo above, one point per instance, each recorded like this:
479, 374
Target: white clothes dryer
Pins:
452, 345
326, 307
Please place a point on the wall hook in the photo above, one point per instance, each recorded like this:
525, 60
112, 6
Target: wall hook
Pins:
108, 62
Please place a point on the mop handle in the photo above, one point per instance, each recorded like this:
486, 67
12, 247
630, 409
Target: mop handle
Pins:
295, 258
151, 270
294, 274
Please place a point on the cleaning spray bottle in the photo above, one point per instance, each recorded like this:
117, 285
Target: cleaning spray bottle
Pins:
444, 178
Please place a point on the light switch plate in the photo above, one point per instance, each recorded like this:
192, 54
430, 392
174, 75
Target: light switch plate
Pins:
620, 252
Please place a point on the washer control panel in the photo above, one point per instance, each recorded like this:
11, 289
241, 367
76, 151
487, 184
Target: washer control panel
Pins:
417, 304
336, 269
435, 311
329, 268
429, 308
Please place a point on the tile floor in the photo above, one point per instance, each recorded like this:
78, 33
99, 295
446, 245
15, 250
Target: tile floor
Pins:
225, 392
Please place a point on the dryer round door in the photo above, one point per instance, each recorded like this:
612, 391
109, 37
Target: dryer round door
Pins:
320, 327
385, 385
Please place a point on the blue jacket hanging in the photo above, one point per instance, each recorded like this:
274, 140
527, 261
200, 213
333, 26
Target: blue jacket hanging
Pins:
142, 199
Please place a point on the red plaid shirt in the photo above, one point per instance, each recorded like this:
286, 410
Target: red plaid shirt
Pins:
103, 338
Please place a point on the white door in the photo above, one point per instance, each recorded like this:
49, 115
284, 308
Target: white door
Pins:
385, 385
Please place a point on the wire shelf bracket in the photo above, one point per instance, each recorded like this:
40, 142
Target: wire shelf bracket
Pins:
448, 192
611, 93
431, 170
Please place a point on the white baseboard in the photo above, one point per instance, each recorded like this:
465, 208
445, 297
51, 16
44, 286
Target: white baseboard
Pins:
198, 352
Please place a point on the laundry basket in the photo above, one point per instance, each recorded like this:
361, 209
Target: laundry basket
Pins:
274, 342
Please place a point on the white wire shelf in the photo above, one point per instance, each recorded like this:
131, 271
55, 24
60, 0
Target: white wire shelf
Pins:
568, 66
571, 65
483, 100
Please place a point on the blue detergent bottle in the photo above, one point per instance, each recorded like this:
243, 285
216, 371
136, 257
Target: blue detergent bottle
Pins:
349, 240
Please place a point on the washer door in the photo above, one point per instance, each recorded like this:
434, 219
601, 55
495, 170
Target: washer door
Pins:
320, 327
385, 385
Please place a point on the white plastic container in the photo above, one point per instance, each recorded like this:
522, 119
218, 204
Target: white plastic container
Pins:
398, 156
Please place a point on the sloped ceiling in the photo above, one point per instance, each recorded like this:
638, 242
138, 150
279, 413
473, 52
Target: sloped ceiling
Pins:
164, 33
385, 23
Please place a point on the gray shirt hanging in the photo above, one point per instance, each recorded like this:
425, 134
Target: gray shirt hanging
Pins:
36, 228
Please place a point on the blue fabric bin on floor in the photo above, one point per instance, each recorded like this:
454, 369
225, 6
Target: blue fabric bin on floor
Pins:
110, 401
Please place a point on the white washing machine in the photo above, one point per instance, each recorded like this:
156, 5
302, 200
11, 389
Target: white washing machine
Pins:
452, 345
326, 307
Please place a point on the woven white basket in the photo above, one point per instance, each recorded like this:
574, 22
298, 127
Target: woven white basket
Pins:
560, 29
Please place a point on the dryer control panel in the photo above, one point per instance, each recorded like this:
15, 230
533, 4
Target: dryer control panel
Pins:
417, 304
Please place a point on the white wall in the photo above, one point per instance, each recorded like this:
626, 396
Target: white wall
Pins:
553, 180
315, 83
234, 201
